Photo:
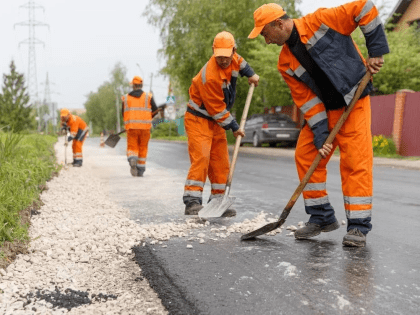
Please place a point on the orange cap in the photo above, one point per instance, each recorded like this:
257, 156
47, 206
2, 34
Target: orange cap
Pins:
64, 112
223, 44
137, 80
263, 15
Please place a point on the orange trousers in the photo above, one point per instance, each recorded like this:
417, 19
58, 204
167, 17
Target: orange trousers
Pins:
137, 145
356, 159
77, 149
207, 147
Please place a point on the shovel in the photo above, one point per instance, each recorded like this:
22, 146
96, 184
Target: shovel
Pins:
272, 226
217, 206
113, 139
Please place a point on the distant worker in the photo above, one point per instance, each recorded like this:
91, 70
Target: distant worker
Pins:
78, 131
212, 95
323, 67
138, 110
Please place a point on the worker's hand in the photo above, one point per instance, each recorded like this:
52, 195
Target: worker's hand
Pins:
239, 133
375, 64
254, 79
325, 150
70, 138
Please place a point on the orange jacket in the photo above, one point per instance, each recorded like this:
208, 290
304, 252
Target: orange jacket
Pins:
137, 110
213, 91
78, 128
326, 36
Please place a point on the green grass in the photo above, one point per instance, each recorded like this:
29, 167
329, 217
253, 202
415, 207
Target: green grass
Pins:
26, 161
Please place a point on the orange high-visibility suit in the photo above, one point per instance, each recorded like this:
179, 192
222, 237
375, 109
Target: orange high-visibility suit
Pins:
212, 95
323, 67
78, 130
137, 110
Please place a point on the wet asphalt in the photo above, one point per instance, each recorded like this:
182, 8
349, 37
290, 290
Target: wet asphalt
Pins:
278, 274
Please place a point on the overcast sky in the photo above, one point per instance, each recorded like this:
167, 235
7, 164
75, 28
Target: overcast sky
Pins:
86, 39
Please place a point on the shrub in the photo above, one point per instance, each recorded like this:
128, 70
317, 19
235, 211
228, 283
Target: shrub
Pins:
165, 129
383, 146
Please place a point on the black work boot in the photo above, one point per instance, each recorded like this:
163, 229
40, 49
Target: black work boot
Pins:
193, 209
312, 229
229, 213
354, 238
77, 163
133, 167
140, 172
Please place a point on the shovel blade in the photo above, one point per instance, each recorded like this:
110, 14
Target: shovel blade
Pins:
112, 140
216, 207
262, 230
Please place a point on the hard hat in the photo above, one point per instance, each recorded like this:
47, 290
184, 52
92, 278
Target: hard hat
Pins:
64, 112
263, 15
136, 80
223, 44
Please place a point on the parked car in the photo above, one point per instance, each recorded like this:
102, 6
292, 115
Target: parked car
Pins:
270, 128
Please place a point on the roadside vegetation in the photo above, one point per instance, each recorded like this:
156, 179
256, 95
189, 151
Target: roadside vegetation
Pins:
26, 163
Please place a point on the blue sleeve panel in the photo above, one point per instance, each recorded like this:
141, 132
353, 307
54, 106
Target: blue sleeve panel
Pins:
247, 71
320, 130
376, 42
233, 125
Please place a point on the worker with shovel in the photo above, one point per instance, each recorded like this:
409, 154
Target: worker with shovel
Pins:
78, 131
323, 67
212, 95
138, 110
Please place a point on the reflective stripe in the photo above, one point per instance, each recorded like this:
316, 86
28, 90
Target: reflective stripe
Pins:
357, 200
203, 73
125, 102
315, 186
300, 71
141, 159
309, 104
146, 99
316, 201
317, 36
138, 108
218, 186
368, 6
317, 118
198, 109
220, 115
243, 64
78, 159
358, 214
371, 25
84, 132
141, 166
227, 121
225, 85
235, 73
290, 72
190, 182
349, 96
193, 193
138, 121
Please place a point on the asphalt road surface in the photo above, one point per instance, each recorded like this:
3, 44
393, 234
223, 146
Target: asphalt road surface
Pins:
273, 274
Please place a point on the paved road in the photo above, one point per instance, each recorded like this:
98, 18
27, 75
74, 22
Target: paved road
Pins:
273, 275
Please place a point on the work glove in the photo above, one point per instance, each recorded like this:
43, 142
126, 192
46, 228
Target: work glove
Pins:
70, 138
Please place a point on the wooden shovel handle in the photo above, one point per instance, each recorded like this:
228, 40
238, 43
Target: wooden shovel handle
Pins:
238, 138
330, 139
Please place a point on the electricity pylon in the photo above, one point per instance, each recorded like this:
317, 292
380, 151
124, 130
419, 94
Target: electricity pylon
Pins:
32, 41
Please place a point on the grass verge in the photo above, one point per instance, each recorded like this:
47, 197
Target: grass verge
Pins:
26, 163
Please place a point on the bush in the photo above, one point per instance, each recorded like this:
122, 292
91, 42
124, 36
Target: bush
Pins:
165, 129
383, 146
26, 162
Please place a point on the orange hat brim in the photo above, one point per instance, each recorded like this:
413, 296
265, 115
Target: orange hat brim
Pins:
223, 52
255, 32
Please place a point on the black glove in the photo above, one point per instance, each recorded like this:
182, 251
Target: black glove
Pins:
70, 138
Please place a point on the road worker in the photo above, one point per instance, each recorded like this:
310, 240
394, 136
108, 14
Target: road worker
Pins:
212, 94
138, 110
78, 132
323, 67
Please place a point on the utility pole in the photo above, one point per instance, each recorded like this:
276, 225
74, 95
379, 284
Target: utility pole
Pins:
117, 105
32, 41
151, 80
